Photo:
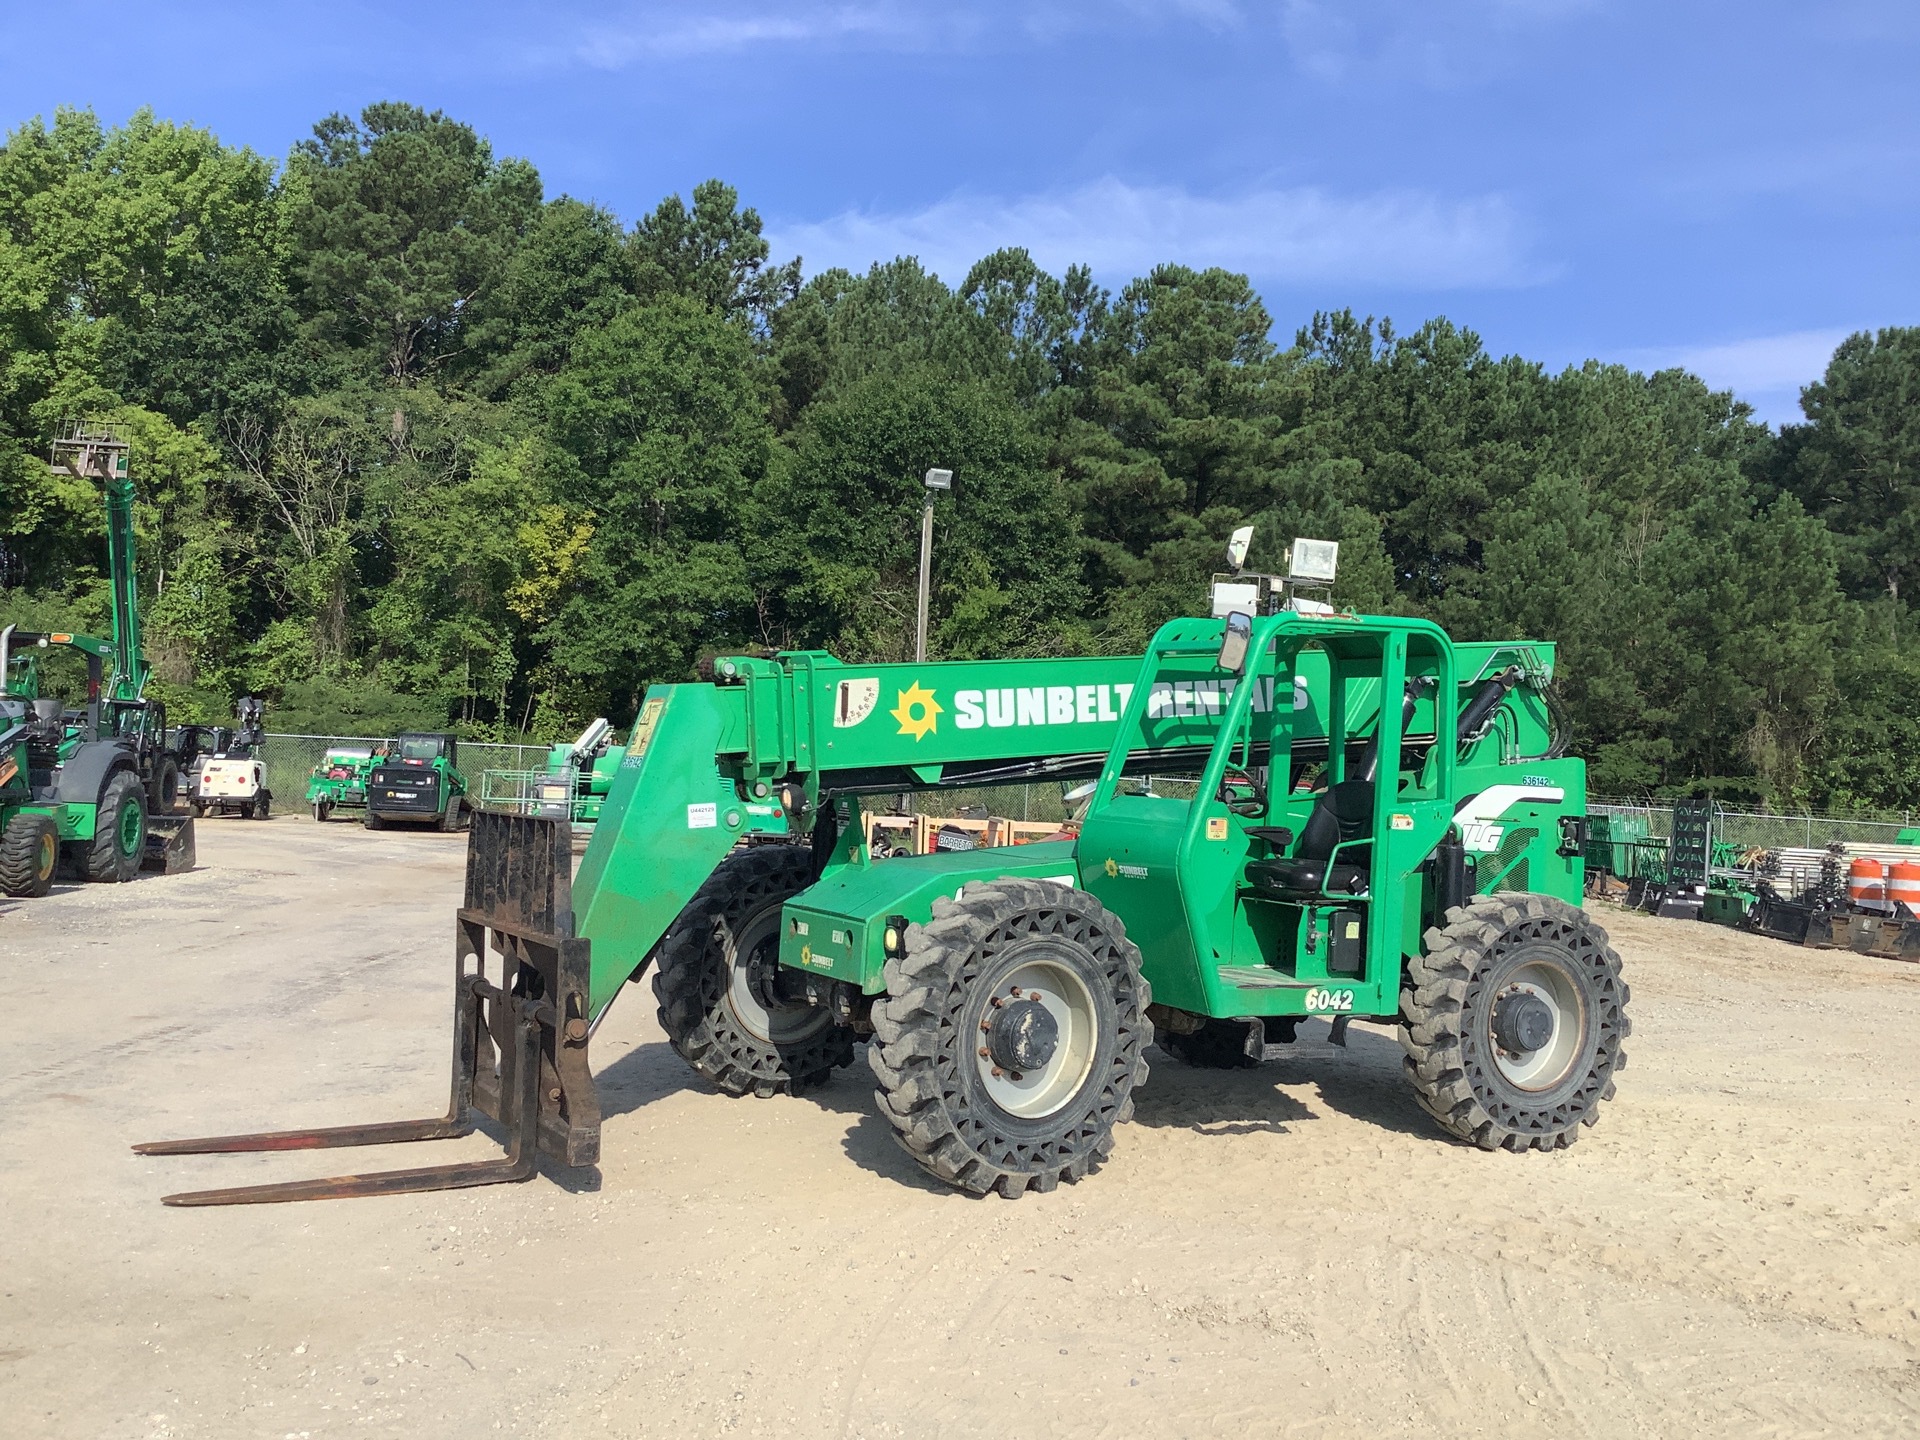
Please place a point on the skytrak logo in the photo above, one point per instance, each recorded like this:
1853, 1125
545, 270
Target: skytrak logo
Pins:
918, 712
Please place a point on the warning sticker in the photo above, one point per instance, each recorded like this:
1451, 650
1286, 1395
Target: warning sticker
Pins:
703, 817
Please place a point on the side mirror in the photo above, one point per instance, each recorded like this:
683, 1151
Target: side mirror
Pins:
1234, 643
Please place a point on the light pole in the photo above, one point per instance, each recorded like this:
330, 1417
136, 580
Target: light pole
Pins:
936, 480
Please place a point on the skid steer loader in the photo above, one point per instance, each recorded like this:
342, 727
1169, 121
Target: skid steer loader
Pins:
1349, 816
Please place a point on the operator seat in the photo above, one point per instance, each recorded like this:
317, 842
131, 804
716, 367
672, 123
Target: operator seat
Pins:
1344, 812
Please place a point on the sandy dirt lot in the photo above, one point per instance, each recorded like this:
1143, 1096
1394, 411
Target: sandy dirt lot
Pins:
1287, 1251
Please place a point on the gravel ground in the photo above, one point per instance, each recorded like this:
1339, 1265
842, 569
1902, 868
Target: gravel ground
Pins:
1287, 1251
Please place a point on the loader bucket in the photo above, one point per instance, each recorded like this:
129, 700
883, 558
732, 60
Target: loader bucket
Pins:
169, 848
519, 1044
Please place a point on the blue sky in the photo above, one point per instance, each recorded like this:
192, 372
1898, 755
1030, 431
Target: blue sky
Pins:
1727, 186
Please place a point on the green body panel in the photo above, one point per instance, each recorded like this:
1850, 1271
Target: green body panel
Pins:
671, 816
806, 728
836, 928
344, 790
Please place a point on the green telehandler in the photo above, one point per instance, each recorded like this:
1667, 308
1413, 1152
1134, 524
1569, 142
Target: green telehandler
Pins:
1348, 816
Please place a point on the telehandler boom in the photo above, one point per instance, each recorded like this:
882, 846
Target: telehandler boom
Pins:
1350, 816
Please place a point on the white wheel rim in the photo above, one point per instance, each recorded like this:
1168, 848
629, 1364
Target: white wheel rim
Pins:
1546, 1067
1035, 1094
782, 1026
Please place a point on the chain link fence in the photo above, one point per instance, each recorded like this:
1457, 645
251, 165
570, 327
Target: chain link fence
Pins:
1761, 829
290, 759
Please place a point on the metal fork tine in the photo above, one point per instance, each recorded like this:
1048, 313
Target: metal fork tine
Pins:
521, 1114
384, 1182
390, 1132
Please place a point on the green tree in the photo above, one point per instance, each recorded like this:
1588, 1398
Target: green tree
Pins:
711, 252
664, 418
1856, 462
839, 561
405, 221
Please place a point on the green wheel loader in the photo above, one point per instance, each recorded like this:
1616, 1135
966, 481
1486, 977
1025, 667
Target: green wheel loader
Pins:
1296, 813
105, 773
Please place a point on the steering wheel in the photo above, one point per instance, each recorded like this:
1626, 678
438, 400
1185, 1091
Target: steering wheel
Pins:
1241, 793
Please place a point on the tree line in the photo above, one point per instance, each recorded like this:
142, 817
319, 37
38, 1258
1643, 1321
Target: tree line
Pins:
418, 445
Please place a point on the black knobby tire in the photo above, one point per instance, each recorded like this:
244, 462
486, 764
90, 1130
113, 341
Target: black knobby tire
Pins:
115, 851
1216, 1045
320, 812
953, 1108
1491, 951
449, 818
373, 821
163, 796
705, 983
29, 850
262, 805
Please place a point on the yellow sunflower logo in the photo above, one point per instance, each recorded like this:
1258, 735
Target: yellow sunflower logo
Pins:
1111, 868
918, 712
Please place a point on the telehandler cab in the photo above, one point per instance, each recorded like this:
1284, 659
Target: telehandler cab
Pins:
1351, 817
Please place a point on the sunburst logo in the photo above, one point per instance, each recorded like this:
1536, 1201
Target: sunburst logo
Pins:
1111, 868
918, 712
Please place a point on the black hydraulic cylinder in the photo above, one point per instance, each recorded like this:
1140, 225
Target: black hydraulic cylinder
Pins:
1485, 701
1447, 879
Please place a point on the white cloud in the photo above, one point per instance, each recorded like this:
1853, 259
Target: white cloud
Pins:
1765, 362
644, 34
1766, 371
1397, 238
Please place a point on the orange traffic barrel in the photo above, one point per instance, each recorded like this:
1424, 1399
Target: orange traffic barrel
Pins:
1867, 884
1903, 889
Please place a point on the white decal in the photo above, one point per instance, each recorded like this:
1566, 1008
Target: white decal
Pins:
703, 817
1476, 817
1039, 705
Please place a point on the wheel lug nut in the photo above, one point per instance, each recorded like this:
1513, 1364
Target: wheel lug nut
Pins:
1015, 1075
996, 1072
984, 1052
1016, 991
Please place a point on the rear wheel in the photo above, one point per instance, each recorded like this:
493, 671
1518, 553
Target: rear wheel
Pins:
373, 821
262, 805
718, 964
29, 849
321, 809
163, 797
1010, 1039
119, 830
450, 817
1514, 1018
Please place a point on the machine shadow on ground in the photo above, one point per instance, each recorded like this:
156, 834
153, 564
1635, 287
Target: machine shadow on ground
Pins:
1363, 1081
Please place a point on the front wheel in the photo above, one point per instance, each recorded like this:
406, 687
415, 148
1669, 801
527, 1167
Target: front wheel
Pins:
29, 850
1010, 1039
262, 806
119, 830
450, 817
373, 821
719, 964
320, 811
1513, 1021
